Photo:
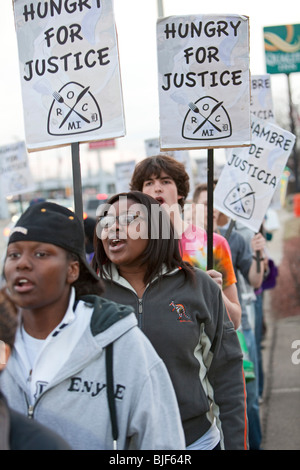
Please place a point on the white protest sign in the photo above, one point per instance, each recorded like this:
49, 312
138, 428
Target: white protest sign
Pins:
202, 169
184, 157
251, 175
69, 69
261, 103
15, 174
123, 174
152, 147
203, 81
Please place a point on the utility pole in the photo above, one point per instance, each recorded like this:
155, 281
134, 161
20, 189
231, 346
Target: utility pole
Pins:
293, 131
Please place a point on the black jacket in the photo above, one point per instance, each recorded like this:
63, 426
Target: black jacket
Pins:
190, 330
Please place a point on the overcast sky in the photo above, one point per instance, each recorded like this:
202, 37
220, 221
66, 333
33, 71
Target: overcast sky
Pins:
136, 27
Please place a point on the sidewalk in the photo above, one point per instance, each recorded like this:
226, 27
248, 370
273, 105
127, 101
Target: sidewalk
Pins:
280, 410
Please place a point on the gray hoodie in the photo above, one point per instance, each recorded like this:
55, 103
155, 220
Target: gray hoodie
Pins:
74, 402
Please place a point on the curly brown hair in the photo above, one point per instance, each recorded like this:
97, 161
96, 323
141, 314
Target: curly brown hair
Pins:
153, 166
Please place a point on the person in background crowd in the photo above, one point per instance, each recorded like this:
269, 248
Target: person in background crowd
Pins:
77, 354
253, 275
17, 432
250, 272
245, 265
257, 296
89, 224
166, 180
181, 310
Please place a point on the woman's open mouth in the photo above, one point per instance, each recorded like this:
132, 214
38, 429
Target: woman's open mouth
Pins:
23, 285
116, 244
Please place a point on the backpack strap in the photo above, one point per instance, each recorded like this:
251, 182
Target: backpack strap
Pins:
110, 393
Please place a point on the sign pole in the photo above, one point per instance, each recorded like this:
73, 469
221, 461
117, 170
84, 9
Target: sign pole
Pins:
210, 208
160, 8
77, 186
293, 132
21, 203
282, 56
99, 156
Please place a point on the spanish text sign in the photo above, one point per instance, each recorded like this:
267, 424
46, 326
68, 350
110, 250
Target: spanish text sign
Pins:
204, 81
261, 97
249, 179
69, 68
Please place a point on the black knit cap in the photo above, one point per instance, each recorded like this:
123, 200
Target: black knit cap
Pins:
47, 222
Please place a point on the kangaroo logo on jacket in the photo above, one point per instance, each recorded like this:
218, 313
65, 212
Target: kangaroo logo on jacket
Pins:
182, 316
93, 388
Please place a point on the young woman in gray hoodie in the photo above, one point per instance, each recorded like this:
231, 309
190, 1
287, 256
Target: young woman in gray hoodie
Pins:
16, 431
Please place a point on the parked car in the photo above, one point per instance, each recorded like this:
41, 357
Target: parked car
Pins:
15, 217
92, 203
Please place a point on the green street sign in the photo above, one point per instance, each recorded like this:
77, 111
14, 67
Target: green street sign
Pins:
282, 48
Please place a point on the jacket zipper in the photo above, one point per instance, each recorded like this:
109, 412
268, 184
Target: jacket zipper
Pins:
140, 301
30, 411
140, 315
30, 408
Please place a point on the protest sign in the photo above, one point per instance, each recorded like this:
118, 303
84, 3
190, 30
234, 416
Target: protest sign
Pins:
261, 103
202, 168
123, 174
69, 70
15, 174
251, 175
204, 81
